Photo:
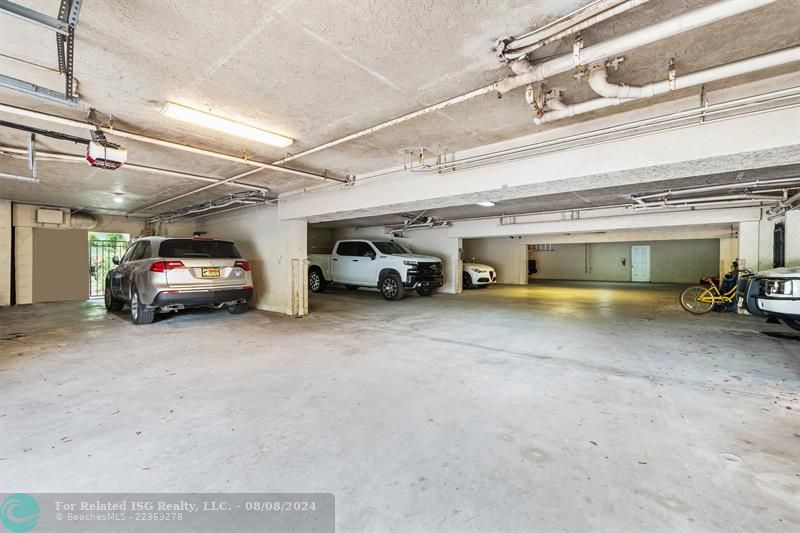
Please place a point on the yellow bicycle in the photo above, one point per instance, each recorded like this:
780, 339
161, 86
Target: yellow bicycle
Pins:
700, 300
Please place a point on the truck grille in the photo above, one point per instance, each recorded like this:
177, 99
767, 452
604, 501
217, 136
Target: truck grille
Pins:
433, 269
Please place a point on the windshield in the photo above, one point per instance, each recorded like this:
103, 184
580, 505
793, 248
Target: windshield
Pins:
391, 248
188, 248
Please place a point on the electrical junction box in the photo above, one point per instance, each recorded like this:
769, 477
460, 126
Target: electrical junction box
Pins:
49, 216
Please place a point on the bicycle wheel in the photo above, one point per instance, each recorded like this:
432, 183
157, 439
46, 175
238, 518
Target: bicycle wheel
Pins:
697, 300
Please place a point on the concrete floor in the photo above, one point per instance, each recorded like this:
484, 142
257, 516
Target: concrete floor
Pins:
554, 407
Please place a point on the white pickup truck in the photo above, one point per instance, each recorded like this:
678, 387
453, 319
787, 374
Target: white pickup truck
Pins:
387, 265
774, 293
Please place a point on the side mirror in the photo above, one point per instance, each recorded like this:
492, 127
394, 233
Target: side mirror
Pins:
373, 256
115, 260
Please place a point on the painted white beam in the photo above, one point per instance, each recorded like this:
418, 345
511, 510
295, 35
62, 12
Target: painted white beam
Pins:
601, 220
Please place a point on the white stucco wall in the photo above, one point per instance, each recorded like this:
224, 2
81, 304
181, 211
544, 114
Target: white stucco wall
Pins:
277, 251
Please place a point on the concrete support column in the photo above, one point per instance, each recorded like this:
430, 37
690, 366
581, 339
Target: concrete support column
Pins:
728, 252
792, 226
5, 253
295, 247
23, 263
748, 245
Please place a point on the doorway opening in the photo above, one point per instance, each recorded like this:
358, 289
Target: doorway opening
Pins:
103, 247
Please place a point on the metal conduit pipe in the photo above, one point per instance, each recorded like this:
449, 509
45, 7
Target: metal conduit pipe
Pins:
195, 191
650, 34
598, 75
615, 94
22, 154
694, 190
53, 119
519, 47
529, 73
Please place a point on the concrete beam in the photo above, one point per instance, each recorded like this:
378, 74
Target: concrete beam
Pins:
600, 220
732, 145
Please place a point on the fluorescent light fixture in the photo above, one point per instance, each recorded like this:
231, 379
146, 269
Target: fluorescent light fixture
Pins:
486, 204
224, 125
18, 178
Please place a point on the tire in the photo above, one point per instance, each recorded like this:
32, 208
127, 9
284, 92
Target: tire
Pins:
112, 304
689, 301
426, 291
140, 314
237, 309
391, 287
793, 323
466, 282
351, 287
316, 281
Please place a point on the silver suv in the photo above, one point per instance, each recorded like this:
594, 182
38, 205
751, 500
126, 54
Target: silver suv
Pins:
170, 273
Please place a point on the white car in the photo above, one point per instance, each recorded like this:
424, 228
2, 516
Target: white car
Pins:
478, 275
774, 293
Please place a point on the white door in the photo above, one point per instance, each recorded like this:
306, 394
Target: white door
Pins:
640, 263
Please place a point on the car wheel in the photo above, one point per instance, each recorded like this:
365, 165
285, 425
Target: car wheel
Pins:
112, 304
467, 281
426, 291
140, 314
793, 323
391, 287
237, 309
316, 283
351, 287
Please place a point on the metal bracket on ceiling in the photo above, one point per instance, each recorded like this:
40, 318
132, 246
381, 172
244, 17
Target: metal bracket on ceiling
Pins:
64, 26
671, 74
615, 63
577, 44
32, 154
534, 95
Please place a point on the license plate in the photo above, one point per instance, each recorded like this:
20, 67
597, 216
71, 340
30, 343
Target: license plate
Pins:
210, 272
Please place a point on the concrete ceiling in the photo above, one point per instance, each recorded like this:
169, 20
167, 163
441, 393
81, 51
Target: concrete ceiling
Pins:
314, 72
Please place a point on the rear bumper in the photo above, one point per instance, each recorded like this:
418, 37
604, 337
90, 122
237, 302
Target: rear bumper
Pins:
204, 298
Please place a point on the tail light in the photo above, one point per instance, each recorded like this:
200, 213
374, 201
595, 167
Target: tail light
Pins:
244, 265
163, 266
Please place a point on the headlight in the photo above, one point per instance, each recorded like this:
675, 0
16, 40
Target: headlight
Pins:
478, 270
409, 263
779, 287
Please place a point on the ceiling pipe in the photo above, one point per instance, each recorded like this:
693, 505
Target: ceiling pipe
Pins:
616, 94
598, 75
694, 190
195, 191
44, 156
36, 115
528, 73
691, 20
650, 207
512, 48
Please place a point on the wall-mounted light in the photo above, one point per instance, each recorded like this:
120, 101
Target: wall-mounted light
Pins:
199, 118
486, 204
118, 198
